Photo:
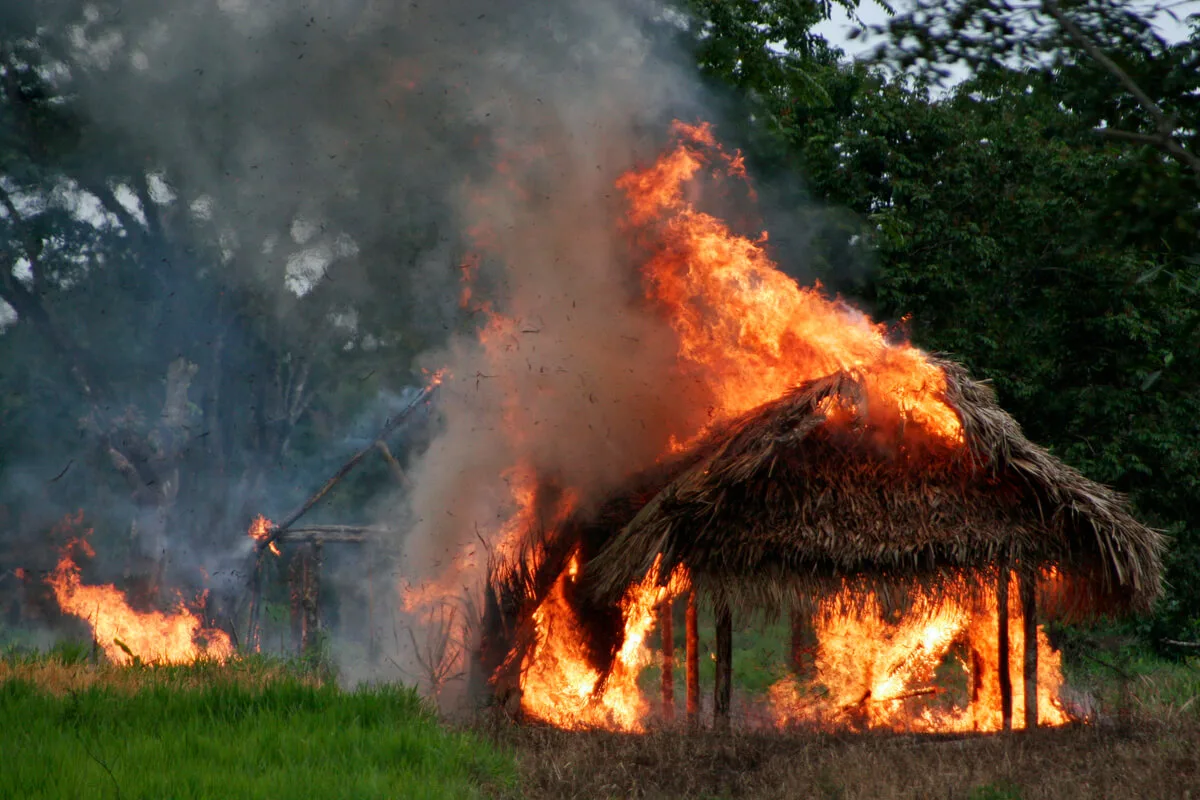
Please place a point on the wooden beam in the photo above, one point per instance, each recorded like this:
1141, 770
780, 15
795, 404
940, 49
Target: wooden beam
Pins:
1002, 670
667, 629
692, 657
723, 690
1028, 584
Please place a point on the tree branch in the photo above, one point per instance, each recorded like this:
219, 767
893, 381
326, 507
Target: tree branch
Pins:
1165, 140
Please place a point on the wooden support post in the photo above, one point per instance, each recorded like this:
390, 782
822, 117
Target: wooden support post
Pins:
311, 600
1002, 655
1028, 583
723, 690
803, 644
297, 581
692, 657
667, 628
256, 589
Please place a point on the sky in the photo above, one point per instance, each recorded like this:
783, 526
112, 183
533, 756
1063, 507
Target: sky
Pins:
838, 27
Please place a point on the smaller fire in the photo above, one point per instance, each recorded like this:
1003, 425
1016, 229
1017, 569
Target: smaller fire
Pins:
124, 633
260, 531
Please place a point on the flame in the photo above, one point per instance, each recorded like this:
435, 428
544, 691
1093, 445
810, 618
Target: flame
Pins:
260, 531
560, 687
124, 633
747, 329
881, 674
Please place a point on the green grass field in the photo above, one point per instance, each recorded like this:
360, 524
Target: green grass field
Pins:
74, 730
72, 727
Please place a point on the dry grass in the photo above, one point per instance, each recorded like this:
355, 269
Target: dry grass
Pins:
1139, 760
61, 677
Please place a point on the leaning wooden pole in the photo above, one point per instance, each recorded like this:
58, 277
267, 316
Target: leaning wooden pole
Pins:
692, 659
667, 628
723, 690
1028, 583
1002, 670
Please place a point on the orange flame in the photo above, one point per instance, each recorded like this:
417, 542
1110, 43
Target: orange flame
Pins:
560, 687
260, 531
881, 674
125, 633
747, 329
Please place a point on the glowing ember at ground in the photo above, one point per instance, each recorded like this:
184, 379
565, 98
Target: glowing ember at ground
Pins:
124, 633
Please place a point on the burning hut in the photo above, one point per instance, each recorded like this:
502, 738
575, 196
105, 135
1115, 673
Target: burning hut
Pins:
812, 499
806, 461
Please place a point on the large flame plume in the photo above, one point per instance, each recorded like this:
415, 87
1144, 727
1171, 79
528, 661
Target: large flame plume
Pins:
124, 633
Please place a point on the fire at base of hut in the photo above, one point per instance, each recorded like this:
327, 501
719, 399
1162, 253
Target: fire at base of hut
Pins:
125, 633
876, 674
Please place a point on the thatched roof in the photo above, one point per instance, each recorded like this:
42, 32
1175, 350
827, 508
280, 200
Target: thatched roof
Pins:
783, 501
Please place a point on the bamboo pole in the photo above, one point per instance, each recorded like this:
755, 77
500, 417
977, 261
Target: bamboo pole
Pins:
723, 690
1002, 655
315, 497
1028, 588
667, 628
692, 658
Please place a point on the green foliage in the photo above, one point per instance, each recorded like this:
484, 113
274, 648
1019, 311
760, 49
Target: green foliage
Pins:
285, 739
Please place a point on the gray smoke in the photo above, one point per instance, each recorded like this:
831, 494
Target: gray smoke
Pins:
357, 149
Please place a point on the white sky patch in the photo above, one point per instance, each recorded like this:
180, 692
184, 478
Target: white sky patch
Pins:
8, 316
22, 270
139, 60
160, 191
270, 243
836, 30
202, 208
84, 205
98, 52
306, 268
130, 202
